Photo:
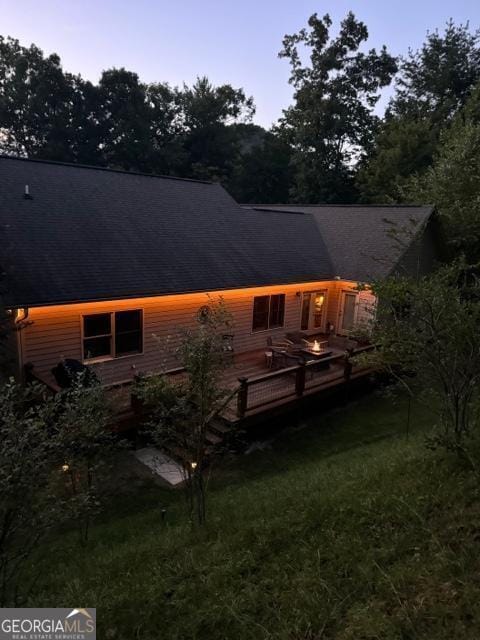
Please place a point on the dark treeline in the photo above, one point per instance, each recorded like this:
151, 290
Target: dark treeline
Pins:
329, 145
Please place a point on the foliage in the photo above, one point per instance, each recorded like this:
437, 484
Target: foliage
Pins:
120, 122
453, 182
331, 122
342, 527
180, 412
438, 78
433, 83
43, 111
403, 146
210, 140
429, 331
85, 447
263, 172
28, 504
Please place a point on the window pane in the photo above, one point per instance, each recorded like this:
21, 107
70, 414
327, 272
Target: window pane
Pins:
260, 313
305, 311
130, 342
128, 321
97, 325
97, 347
277, 310
349, 303
319, 303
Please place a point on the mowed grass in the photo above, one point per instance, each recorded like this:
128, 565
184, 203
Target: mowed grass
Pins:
345, 528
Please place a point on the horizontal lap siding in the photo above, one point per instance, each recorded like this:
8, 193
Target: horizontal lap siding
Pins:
56, 331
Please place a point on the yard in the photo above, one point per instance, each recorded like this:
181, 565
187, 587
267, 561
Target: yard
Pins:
345, 526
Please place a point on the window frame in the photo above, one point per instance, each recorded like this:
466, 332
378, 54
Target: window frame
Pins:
311, 311
268, 328
112, 335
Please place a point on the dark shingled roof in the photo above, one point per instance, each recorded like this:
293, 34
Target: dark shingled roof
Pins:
93, 234
364, 242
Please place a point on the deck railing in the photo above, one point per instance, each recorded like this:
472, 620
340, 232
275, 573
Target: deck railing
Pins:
293, 382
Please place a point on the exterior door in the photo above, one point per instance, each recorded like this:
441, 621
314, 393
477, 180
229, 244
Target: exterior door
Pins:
313, 310
348, 312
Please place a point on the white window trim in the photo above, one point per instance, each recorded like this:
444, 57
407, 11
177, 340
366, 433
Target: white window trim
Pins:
112, 335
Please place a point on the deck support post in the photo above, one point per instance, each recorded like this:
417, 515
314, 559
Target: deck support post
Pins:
347, 373
242, 397
300, 379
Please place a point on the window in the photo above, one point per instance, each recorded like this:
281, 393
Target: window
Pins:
277, 311
128, 332
112, 335
268, 312
97, 336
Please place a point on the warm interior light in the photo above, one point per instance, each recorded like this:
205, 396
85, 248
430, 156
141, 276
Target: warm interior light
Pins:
316, 346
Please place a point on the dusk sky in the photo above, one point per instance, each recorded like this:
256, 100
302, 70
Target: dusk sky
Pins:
230, 42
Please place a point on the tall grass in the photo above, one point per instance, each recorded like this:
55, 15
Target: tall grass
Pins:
342, 529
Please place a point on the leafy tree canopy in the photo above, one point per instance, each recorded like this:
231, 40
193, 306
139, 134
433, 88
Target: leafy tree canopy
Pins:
331, 121
432, 85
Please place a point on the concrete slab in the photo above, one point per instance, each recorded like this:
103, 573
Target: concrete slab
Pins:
161, 465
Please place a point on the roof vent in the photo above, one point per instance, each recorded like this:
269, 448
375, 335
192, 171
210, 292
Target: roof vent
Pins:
26, 193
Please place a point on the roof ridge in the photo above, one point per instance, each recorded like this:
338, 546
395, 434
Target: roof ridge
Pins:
75, 165
268, 207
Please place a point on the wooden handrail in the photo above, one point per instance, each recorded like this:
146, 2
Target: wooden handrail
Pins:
271, 374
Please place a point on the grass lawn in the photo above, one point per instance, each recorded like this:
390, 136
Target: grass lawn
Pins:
342, 529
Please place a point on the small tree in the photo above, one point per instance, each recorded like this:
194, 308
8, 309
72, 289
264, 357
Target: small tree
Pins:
429, 332
180, 411
28, 504
85, 448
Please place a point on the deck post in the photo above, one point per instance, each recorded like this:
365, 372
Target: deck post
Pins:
347, 372
300, 379
242, 397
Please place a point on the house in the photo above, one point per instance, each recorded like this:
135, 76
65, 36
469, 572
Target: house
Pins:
103, 265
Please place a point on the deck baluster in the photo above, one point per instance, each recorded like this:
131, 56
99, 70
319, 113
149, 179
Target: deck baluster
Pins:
242, 398
300, 379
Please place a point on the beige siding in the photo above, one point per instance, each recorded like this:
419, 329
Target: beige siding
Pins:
56, 331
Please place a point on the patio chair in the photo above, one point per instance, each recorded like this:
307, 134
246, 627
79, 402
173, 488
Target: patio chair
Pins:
278, 344
297, 340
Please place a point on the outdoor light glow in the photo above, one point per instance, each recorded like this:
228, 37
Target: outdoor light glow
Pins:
316, 346
65, 467
194, 465
20, 314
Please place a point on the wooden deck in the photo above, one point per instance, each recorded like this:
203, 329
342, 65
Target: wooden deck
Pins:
259, 390
263, 391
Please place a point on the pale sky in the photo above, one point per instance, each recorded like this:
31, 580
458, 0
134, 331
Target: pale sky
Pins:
230, 41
